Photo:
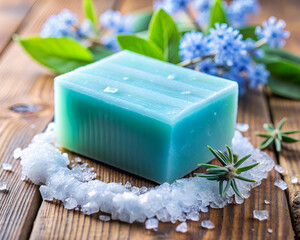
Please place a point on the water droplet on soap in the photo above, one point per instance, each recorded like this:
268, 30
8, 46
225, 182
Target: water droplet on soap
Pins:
215, 113
186, 92
171, 76
110, 90
125, 78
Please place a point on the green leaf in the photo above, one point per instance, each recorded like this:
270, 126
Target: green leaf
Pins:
215, 153
244, 169
184, 23
268, 127
289, 139
90, 12
280, 124
291, 132
245, 179
164, 34
100, 52
281, 54
226, 187
248, 32
284, 88
141, 20
140, 45
263, 134
221, 187
230, 153
240, 162
217, 14
277, 145
235, 189
59, 54
266, 143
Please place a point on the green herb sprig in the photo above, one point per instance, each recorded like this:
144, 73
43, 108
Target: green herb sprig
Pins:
228, 172
276, 135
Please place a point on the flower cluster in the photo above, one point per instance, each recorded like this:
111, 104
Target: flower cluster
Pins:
237, 11
223, 52
66, 24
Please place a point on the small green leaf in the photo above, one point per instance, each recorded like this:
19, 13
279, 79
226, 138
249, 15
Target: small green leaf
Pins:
215, 153
281, 55
263, 134
243, 169
277, 145
280, 124
284, 87
217, 14
100, 52
289, 139
268, 127
226, 187
208, 165
221, 187
240, 162
266, 143
248, 32
164, 34
59, 54
90, 12
230, 153
245, 179
140, 45
290, 132
184, 23
141, 20
235, 189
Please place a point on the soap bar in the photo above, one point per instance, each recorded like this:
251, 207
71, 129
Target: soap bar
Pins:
148, 117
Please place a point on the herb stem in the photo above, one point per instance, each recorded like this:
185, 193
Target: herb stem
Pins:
188, 62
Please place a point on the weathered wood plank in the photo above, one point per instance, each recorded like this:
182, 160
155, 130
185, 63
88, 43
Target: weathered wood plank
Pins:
12, 14
23, 82
232, 222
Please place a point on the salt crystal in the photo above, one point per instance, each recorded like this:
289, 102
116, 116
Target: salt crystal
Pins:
186, 92
3, 187
242, 127
7, 166
171, 76
77, 159
270, 230
90, 208
110, 90
44, 164
261, 214
294, 179
70, 203
281, 184
279, 169
152, 223
182, 227
45, 193
207, 224
17, 153
267, 202
104, 218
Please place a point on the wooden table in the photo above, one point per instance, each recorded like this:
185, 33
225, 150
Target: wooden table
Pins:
24, 215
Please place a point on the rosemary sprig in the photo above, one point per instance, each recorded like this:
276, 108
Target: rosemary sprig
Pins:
276, 135
228, 172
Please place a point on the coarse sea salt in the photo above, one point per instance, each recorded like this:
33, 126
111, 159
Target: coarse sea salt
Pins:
104, 218
6, 167
44, 164
207, 224
294, 179
182, 227
281, 184
242, 127
3, 187
279, 169
261, 214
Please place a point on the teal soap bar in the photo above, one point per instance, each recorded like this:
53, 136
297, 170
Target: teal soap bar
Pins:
148, 117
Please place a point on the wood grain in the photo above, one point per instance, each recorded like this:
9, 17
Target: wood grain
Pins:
232, 222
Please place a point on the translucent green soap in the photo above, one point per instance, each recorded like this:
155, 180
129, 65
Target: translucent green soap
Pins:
145, 116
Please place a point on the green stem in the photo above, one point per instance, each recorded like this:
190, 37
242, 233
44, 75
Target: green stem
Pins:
195, 60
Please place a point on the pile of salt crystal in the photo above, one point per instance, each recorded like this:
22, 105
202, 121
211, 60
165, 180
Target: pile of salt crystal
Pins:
77, 188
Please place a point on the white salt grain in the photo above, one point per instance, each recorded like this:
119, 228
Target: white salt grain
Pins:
267, 202
110, 90
171, 76
3, 187
294, 179
261, 214
242, 127
6, 166
17, 153
281, 184
45, 193
70, 203
77, 159
279, 169
182, 227
207, 224
270, 230
90, 208
152, 223
104, 218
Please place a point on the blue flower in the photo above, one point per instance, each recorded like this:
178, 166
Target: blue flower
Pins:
60, 25
239, 10
192, 45
202, 5
85, 29
208, 66
171, 6
115, 21
273, 32
236, 76
257, 74
250, 45
226, 43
